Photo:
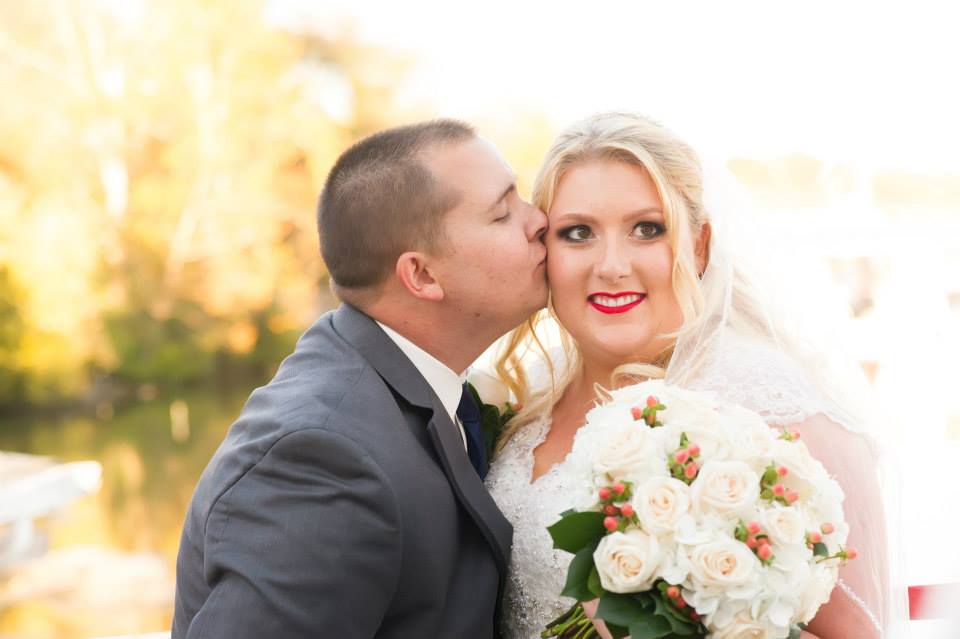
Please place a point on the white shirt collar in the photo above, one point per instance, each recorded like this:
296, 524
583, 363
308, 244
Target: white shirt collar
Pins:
445, 383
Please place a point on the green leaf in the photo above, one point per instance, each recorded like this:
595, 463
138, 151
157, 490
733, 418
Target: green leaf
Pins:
578, 574
679, 624
618, 632
795, 632
820, 550
622, 610
575, 531
651, 627
593, 583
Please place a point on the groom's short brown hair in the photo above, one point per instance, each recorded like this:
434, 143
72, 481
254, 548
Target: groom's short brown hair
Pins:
380, 200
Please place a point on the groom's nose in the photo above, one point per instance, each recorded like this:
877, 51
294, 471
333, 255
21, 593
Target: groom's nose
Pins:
537, 225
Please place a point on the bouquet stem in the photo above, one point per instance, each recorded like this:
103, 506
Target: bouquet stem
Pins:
573, 624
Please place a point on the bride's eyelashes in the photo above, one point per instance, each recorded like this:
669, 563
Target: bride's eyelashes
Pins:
503, 218
579, 233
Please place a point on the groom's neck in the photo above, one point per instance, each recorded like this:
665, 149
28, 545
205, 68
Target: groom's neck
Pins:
451, 340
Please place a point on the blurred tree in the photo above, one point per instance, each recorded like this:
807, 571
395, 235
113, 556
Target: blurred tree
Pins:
159, 165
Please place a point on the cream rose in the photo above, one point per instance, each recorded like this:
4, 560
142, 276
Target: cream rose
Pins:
785, 526
660, 503
627, 561
743, 626
725, 488
630, 449
723, 562
491, 389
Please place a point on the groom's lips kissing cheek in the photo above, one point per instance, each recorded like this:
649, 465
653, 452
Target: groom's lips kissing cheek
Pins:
615, 303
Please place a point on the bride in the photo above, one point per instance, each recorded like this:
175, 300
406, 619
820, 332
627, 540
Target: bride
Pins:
643, 285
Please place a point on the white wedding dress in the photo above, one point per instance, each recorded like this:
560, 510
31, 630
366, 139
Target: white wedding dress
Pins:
739, 370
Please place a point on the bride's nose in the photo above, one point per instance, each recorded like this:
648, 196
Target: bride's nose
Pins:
614, 263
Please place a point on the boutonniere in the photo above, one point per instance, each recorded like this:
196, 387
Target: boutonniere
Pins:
493, 398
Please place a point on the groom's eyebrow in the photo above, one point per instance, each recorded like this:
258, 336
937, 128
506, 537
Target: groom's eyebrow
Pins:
510, 189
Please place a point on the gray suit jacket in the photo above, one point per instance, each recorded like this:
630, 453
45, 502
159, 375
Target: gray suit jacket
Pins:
342, 504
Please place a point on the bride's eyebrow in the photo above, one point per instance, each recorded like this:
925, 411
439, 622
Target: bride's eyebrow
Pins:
579, 217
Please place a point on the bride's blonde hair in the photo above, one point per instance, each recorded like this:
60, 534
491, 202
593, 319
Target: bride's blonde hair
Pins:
675, 170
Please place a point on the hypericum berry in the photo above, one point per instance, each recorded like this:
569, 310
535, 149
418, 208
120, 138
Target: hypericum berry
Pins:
637, 413
782, 471
753, 527
679, 602
850, 553
673, 592
694, 616
604, 494
763, 541
792, 496
626, 510
681, 456
690, 470
826, 528
619, 487
795, 434
610, 509
764, 552
694, 450
652, 401
610, 523
779, 490
752, 542
814, 537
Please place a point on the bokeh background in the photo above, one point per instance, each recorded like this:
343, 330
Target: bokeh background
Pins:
160, 161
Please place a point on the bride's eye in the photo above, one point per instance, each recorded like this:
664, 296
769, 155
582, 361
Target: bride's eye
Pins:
648, 230
578, 233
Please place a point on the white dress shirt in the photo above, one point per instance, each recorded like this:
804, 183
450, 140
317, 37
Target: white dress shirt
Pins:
445, 383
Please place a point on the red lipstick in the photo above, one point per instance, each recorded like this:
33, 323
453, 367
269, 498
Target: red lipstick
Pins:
620, 307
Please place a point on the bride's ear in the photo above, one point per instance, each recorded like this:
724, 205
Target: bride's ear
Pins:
414, 272
702, 248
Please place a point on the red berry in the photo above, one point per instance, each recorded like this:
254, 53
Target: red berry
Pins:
652, 401
637, 413
604, 494
752, 542
765, 552
673, 592
610, 509
619, 488
694, 450
694, 616
792, 496
795, 434
753, 527
626, 510
610, 523
680, 603
779, 490
814, 537
681, 456
851, 553
826, 528
690, 470
782, 471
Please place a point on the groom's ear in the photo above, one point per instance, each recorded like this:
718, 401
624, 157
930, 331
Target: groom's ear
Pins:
414, 272
702, 248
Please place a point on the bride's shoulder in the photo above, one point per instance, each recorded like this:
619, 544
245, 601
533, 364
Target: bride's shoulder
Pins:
760, 375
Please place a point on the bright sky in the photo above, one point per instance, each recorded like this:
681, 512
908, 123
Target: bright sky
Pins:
870, 84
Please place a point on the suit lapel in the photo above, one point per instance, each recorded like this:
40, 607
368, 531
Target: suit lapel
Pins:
400, 373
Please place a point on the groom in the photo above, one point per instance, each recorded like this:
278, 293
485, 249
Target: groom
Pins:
346, 501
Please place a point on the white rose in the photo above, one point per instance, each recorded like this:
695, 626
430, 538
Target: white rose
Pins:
627, 562
491, 388
660, 503
785, 526
629, 448
723, 562
818, 590
725, 488
743, 626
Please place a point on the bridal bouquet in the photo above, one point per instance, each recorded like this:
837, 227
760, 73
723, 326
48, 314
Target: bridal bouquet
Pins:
696, 519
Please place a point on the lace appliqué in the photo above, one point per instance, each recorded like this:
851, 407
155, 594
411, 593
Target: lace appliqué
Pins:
537, 570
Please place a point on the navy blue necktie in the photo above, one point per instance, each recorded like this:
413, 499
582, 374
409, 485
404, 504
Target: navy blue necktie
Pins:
469, 416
